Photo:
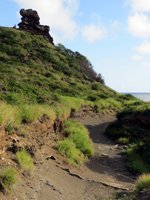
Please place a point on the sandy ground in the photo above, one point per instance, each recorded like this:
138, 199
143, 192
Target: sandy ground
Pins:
101, 176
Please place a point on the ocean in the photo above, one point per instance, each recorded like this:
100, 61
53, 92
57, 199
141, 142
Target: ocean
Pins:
143, 96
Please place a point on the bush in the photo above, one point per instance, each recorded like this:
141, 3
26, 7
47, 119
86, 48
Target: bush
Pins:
24, 159
143, 182
123, 140
7, 178
136, 163
68, 148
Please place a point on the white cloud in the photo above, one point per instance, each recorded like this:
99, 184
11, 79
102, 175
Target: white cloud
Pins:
58, 14
92, 33
139, 25
143, 48
146, 64
140, 5
137, 58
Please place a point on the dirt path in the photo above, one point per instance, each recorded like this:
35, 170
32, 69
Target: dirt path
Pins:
97, 180
108, 166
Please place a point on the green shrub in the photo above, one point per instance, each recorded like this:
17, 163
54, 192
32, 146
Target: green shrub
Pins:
136, 163
143, 182
123, 140
24, 159
95, 86
7, 178
68, 148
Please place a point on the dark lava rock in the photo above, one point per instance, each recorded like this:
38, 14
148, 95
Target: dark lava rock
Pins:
30, 22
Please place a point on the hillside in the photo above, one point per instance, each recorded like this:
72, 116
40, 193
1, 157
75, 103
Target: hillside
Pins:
42, 85
34, 69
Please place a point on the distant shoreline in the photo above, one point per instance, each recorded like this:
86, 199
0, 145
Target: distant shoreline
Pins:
145, 96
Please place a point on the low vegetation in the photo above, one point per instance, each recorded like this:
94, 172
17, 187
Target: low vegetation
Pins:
68, 148
7, 178
143, 182
132, 129
77, 145
24, 160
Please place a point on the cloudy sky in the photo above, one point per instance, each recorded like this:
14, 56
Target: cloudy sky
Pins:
113, 34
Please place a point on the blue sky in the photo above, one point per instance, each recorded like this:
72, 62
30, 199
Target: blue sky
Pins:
113, 34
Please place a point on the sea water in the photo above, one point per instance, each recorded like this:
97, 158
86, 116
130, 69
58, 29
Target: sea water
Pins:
143, 96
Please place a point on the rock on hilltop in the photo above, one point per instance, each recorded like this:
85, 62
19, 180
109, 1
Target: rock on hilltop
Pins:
31, 23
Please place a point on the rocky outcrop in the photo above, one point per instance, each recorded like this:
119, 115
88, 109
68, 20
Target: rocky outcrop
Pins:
31, 23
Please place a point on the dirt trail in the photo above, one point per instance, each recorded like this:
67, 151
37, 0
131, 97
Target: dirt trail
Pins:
108, 166
97, 180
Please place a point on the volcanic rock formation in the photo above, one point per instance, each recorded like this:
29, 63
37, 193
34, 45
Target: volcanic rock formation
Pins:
31, 23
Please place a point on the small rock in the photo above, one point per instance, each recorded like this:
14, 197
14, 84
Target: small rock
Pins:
51, 157
2, 158
116, 146
104, 154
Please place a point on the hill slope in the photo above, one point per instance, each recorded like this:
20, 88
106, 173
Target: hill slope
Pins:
33, 69
41, 86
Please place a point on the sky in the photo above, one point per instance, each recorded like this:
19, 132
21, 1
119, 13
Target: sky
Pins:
113, 34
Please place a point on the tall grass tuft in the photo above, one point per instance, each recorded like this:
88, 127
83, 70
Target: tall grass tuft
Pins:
79, 135
74, 156
143, 182
7, 178
78, 145
24, 159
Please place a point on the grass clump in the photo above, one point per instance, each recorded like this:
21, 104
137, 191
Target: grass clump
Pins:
24, 159
67, 147
143, 182
79, 135
9, 128
78, 145
7, 178
31, 113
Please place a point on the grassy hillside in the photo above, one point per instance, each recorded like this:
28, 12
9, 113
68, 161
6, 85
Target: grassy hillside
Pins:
43, 83
32, 70
38, 77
